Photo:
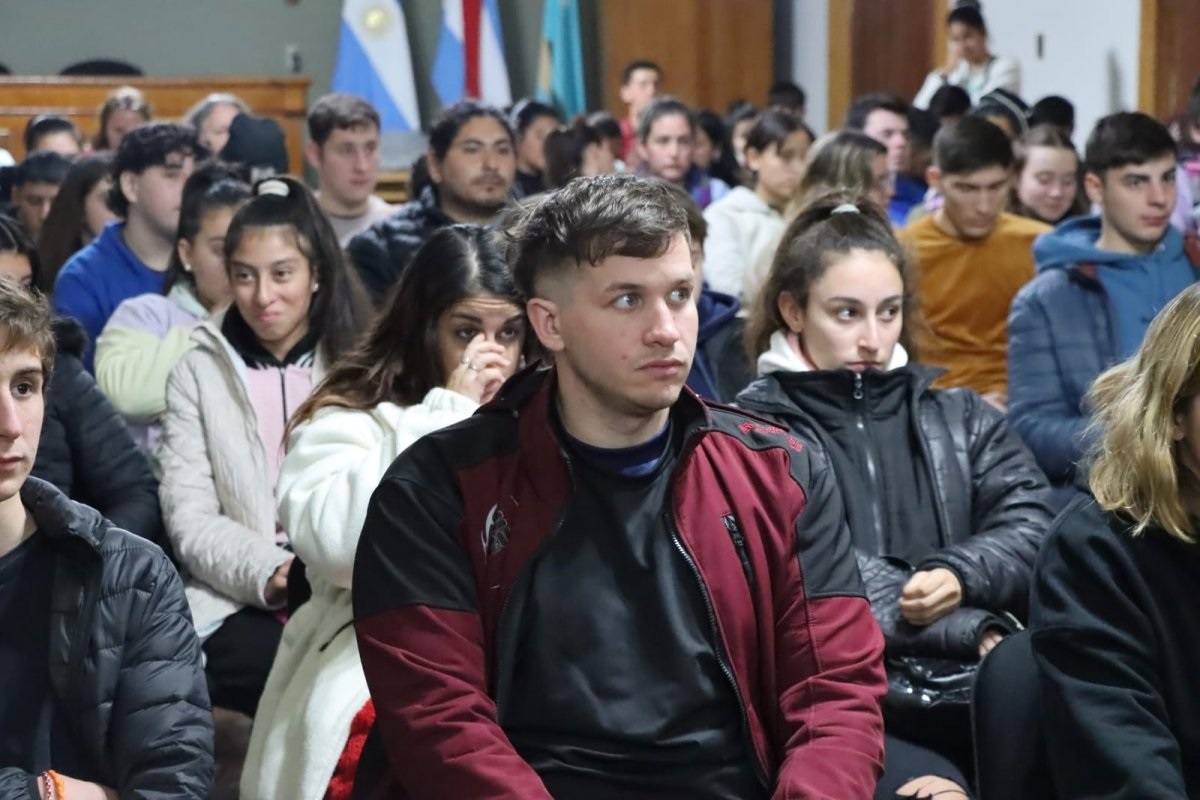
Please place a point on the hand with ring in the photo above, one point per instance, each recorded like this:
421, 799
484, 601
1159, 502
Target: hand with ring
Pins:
481, 371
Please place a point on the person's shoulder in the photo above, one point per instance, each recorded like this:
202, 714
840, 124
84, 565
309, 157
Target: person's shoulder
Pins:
458, 447
1016, 226
921, 232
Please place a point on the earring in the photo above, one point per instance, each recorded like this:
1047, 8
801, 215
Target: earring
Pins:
187, 267
315, 287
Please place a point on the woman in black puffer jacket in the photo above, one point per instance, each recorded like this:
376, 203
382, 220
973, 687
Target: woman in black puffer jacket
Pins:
945, 505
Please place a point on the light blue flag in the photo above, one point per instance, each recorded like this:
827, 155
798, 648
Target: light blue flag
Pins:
560, 63
374, 62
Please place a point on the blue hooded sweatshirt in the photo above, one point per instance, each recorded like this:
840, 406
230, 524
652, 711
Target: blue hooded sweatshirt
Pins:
97, 279
1138, 286
716, 310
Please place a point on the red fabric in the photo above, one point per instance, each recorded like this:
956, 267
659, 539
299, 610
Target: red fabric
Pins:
472, 44
341, 785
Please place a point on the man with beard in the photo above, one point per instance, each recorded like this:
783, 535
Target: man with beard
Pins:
600, 586
472, 164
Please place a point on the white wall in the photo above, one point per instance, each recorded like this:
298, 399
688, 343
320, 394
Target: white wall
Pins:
810, 57
1089, 52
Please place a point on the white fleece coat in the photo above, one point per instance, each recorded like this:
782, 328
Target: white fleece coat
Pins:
743, 234
784, 355
316, 686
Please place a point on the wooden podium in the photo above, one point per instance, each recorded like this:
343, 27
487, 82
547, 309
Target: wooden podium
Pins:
79, 99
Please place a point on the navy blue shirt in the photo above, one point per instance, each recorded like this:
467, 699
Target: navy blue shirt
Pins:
617, 690
26, 576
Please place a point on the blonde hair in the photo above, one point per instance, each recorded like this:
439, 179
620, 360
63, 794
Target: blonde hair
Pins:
1136, 470
842, 161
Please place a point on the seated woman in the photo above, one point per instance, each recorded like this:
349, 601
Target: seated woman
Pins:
744, 226
147, 335
843, 161
1114, 631
295, 309
945, 505
77, 215
86, 451
1047, 184
382, 396
103, 691
969, 63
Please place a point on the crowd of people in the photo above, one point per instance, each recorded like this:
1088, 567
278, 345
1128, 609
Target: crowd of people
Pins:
674, 455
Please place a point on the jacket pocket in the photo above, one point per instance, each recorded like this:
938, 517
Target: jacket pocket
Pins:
739, 545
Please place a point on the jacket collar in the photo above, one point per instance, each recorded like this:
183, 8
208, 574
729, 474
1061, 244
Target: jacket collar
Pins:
785, 355
238, 333
527, 397
59, 518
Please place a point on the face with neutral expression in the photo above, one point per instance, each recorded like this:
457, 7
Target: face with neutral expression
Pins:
853, 315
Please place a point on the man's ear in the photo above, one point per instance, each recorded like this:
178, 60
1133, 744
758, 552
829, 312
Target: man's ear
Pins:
545, 320
129, 186
434, 166
312, 154
1093, 185
933, 176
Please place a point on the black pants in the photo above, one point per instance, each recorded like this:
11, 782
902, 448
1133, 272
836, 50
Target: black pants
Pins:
903, 760
239, 658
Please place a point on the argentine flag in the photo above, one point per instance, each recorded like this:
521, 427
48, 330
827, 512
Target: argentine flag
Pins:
469, 61
374, 62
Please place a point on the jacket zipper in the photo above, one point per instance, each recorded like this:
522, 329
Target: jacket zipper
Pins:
739, 544
719, 650
283, 394
860, 422
521, 578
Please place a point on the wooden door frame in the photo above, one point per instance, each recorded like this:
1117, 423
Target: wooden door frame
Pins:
1148, 58
840, 78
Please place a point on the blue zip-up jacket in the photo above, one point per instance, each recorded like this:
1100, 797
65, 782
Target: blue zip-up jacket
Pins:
1085, 310
97, 279
721, 367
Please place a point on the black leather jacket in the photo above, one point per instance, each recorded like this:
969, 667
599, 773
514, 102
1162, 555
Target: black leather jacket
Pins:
124, 659
382, 251
992, 504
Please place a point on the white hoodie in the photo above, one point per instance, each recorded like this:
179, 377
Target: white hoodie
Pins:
785, 355
743, 233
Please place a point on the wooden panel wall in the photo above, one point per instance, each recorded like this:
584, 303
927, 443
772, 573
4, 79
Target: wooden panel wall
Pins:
79, 99
712, 51
1169, 62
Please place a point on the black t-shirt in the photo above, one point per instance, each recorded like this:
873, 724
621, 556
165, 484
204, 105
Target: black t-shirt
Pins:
617, 690
26, 726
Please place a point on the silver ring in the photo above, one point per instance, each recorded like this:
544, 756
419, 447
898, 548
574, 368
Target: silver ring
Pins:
472, 367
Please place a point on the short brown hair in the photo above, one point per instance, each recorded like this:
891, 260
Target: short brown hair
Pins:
25, 322
339, 112
589, 220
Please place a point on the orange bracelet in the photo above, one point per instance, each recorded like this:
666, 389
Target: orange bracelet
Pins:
60, 788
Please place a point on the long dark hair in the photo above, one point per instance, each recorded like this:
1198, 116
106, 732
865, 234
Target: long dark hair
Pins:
340, 309
214, 185
13, 239
62, 232
833, 225
398, 359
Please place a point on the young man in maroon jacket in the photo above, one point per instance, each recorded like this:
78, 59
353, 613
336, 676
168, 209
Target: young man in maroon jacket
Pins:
599, 586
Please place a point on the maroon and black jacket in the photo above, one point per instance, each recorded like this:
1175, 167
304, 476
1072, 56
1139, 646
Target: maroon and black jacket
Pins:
460, 515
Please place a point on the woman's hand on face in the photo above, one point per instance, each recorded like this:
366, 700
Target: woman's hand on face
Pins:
481, 371
930, 595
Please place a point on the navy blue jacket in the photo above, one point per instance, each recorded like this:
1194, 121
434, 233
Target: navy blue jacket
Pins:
1063, 332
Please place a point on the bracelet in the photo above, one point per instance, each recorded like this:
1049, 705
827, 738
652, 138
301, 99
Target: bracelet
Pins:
48, 786
60, 786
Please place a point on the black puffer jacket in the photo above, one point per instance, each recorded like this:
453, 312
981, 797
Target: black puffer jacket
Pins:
382, 251
992, 499
124, 659
86, 450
